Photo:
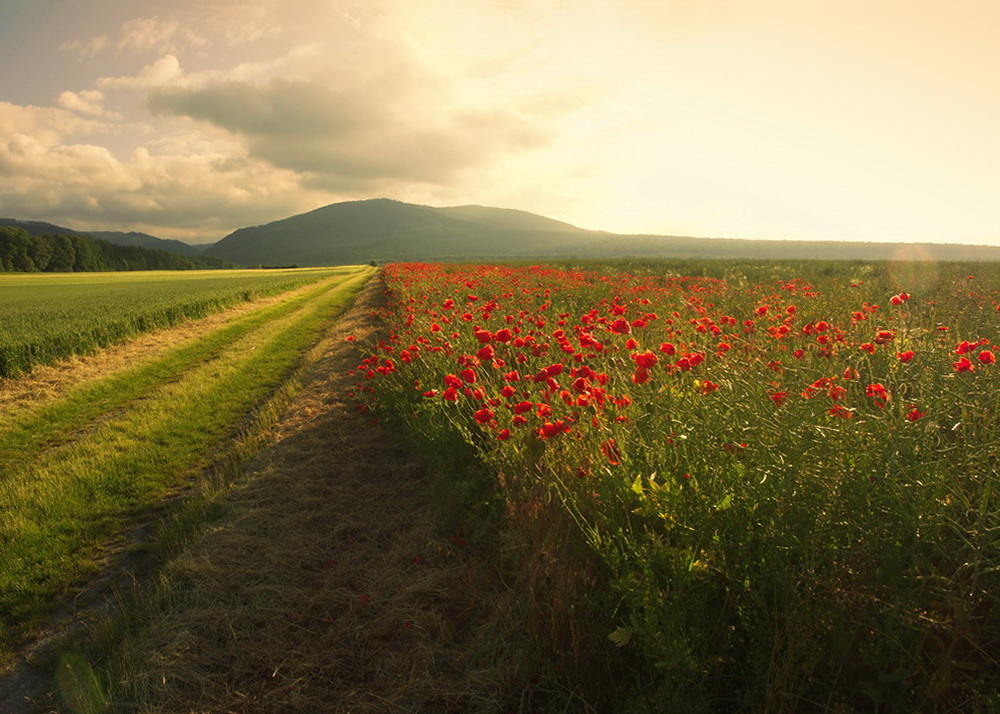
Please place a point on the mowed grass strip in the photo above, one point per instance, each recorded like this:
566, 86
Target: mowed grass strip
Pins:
26, 432
58, 511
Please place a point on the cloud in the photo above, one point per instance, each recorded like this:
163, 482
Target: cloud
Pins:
87, 102
158, 35
86, 48
189, 185
163, 71
356, 124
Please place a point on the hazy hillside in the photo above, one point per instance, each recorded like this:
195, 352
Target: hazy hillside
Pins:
387, 230
144, 240
140, 240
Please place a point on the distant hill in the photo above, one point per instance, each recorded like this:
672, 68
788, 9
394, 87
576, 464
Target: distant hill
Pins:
143, 240
386, 230
140, 240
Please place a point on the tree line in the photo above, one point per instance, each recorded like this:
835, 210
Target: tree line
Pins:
22, 252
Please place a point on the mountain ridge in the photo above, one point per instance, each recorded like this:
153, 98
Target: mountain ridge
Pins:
386, 230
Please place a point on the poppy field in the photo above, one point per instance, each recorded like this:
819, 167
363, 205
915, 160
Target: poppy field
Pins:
739, 488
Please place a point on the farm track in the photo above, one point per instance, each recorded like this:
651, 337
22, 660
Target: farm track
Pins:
101, 436
324, 585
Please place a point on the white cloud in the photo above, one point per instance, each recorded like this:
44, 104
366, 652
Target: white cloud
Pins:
163, 71
89, 102
156, 34
86, 48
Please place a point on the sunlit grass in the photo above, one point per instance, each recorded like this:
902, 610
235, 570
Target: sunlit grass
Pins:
48, 316
112, 449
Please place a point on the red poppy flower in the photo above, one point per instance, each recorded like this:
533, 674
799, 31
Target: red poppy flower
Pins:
987, 357
611, 452
620, 326
645, 359
963, 365
551, 429
906, 356
483, 415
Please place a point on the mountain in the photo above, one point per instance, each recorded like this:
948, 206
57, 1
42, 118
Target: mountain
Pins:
144, 240
140, 240
386, 230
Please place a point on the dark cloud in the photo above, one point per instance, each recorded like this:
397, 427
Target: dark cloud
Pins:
357, 136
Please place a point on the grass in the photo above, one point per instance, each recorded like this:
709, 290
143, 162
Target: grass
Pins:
321, 582
51, 316
104, 454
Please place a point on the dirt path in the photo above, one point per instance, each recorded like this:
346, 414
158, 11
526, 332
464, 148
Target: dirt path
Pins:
324, 586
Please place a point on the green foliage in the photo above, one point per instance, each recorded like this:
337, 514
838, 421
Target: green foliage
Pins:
22, 252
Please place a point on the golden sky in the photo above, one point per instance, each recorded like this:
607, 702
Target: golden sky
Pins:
874, 120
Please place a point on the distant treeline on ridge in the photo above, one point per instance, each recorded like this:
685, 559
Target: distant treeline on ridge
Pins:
21, 252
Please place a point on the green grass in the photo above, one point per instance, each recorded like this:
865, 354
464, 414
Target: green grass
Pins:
138, 435
51, 316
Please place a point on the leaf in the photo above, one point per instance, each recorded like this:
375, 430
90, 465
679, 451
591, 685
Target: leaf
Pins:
621, 636
637, 485
725, 503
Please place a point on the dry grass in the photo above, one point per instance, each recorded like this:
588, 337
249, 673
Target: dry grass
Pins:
325, 587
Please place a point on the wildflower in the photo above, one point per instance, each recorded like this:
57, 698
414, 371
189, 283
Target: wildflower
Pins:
645, 360
987, 357
906, 356
611, 452
522, 407
551, 429
878, 394
621, 326
963, 365
915, 414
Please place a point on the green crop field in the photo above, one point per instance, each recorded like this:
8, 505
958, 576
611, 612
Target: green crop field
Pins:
77, 468
47, 316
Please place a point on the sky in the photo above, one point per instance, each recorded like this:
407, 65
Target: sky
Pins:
779, 119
